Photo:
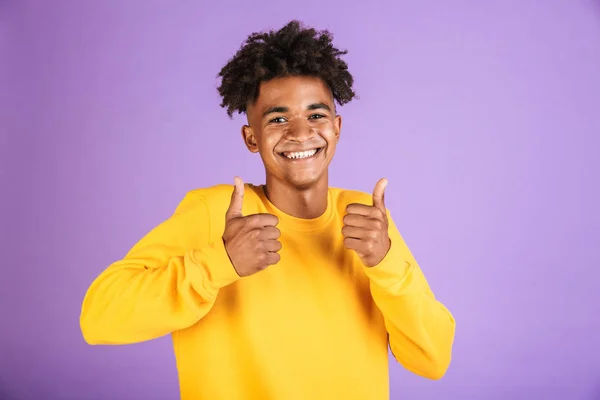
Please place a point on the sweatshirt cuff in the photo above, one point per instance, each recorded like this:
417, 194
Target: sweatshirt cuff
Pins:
213, 267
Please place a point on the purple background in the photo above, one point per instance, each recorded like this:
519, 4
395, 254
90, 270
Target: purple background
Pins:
483, 115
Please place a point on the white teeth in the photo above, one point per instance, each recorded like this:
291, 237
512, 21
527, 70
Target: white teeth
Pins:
301, 154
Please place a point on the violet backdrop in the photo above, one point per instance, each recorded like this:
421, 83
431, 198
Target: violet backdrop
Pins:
484, 116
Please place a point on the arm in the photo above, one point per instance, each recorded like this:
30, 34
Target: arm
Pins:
168, 281
421, 329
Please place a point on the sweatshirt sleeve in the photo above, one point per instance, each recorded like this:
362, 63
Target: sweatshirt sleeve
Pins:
168, 281
420, 328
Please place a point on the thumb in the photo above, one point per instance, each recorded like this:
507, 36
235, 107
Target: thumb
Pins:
237, 199
379, 194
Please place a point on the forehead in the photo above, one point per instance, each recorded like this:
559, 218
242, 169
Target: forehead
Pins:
293, 92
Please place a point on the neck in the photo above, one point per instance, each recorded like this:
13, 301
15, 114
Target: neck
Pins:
308, 203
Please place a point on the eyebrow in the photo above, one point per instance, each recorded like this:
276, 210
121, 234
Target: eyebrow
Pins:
281, 109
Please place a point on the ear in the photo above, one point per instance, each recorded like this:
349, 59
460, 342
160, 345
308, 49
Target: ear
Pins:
337, 124
249, 138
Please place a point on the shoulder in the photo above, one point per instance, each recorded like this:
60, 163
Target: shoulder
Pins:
210, 197
343, 197
216, 198
215, 194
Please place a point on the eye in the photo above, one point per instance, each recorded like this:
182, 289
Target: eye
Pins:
316, 116
277, 120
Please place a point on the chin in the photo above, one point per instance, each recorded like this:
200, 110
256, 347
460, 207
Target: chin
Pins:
304, 182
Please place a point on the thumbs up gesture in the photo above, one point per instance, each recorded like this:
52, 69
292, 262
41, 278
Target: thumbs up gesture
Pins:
366, 228
251, 241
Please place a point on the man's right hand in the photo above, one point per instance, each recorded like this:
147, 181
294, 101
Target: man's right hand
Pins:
251, 241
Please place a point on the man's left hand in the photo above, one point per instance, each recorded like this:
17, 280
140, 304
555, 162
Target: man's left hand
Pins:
366, 228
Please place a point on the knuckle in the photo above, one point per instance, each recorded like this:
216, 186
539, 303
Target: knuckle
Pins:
261, 266
261, 257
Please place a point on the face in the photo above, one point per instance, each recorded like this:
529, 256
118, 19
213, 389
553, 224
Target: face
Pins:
294, 127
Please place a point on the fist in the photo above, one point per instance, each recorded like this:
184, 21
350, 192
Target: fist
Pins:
365, 228
251, 241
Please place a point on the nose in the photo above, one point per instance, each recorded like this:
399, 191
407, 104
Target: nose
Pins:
299, 131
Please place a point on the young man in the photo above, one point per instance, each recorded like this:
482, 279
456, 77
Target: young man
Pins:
288, 290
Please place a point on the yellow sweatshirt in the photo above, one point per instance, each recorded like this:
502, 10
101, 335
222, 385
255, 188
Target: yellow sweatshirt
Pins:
314, 326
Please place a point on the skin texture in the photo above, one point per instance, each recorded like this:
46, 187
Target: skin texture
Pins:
293, 114
365, 228
296, 187
251, 241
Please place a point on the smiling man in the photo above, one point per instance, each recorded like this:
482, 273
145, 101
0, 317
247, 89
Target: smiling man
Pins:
287, 290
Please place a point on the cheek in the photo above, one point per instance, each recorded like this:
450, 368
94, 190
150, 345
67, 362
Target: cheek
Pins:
269, 140
331, 147
328, 133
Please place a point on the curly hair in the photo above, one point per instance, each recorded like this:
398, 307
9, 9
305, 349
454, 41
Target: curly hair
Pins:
294, 50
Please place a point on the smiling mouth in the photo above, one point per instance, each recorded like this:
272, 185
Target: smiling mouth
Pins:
299, 155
